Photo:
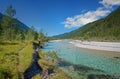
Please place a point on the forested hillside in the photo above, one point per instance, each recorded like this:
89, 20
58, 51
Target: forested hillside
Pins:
106, 29
13, 29
21, 25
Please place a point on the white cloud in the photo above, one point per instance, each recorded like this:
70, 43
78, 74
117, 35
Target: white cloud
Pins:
90, 16
110, 3
83, 19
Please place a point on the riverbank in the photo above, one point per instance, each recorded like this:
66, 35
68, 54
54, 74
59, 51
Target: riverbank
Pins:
104, 46
43, 66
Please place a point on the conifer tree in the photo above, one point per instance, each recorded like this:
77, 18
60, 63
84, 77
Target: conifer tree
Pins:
8, 24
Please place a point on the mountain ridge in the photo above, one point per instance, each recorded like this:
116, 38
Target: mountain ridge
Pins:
21, 25
103, 29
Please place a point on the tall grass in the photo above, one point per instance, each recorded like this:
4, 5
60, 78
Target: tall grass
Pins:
15, 57
9, 59
48, 60
25, 57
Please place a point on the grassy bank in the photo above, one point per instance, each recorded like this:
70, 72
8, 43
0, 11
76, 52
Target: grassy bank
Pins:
15, 57
9, 59
25, 57
50, 64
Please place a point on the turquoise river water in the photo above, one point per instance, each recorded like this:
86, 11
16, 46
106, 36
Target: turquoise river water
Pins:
101, 60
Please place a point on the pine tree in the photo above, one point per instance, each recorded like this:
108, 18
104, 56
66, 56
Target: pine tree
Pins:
8, 24
30, 34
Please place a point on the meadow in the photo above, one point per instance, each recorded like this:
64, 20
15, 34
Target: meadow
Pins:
10, 58
16, 57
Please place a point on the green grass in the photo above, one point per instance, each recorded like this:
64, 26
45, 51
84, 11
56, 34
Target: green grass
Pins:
45, 65
15, 57
9, 59
25, 57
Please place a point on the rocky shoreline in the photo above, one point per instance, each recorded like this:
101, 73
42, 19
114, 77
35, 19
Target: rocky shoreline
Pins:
105, 46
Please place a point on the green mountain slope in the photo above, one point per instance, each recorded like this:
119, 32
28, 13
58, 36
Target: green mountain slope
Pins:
21, 25
106, 29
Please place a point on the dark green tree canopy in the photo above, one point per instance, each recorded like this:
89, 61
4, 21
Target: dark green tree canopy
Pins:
10, 11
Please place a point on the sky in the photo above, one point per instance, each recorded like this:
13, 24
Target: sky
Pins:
59, 16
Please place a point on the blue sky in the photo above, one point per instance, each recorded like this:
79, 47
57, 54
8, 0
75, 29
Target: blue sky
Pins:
59, 16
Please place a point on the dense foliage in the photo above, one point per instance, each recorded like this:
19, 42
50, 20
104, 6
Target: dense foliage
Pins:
106, 29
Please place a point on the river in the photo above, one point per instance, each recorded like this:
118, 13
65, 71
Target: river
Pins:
100, 62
